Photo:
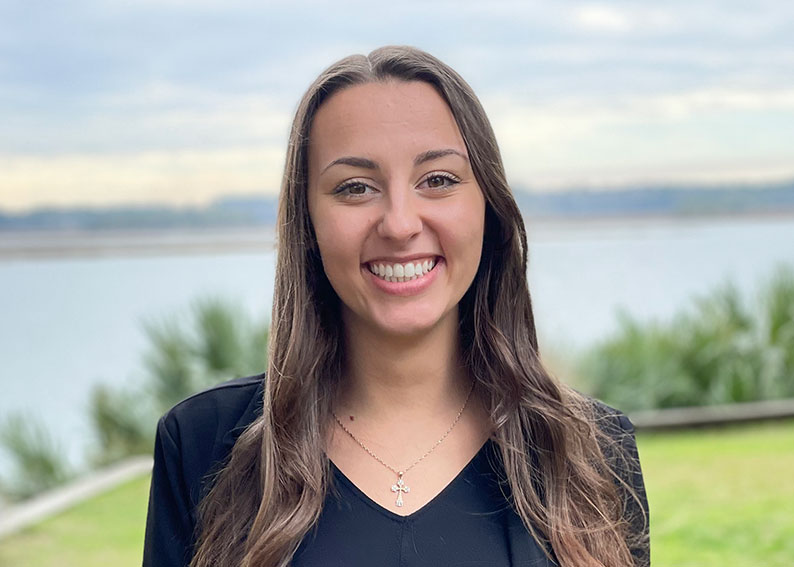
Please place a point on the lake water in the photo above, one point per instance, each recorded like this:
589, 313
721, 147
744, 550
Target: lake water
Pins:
71, 322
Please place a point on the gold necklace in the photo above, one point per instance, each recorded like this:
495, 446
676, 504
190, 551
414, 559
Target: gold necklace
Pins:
399, 487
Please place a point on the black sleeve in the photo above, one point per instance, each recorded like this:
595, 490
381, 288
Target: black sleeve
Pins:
193, 440
169, 523
636, 505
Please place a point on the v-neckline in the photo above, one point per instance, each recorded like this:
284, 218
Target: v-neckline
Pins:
427, 505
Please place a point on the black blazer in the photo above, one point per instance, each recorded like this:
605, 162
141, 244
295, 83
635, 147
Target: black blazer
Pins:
193, 439
197, 436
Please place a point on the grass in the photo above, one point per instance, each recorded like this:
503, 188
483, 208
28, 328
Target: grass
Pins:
102, 532
719, 498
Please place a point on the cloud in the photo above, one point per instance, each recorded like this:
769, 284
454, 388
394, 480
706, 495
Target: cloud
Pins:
719, 99
602, 18
714, 134
611, 18
697, 135
90, 87
156, 116
186, 177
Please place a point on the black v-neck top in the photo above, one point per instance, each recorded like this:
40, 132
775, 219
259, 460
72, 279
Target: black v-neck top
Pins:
470, 523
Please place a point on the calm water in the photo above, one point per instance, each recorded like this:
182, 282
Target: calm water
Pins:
67, 324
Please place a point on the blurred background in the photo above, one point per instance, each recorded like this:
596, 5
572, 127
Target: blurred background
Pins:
650, 146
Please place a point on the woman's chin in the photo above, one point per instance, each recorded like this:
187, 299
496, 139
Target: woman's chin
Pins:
405, 326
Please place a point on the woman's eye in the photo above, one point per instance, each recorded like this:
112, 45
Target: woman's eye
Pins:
357, 189
440, 181
353, 188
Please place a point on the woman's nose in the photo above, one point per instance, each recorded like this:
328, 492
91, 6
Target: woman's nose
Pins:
401, 218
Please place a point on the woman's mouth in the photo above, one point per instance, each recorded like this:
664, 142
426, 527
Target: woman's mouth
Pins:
402, 272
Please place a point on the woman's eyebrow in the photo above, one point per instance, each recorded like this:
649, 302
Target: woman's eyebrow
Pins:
352, 160
418, 160
435, 154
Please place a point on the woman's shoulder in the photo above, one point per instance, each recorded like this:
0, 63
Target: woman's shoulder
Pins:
611, 421
620, 450
225, 406
201, 430
194, 438
616, 437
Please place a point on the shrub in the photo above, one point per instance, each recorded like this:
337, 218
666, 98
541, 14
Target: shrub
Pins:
216, 343
717, 351
39, 463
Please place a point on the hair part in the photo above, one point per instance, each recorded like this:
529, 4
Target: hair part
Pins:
557, 455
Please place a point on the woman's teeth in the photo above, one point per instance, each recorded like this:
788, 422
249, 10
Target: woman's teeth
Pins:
401, 272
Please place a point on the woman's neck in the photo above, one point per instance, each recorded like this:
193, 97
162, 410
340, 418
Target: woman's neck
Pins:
390, 377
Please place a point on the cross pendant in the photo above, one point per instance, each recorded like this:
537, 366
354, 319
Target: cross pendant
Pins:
400, 489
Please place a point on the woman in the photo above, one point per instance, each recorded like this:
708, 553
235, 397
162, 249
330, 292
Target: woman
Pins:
406, 418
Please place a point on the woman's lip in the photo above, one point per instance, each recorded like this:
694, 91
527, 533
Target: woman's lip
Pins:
411, 287
404, 260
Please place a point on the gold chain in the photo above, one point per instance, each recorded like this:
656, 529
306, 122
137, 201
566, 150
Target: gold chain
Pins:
420, 459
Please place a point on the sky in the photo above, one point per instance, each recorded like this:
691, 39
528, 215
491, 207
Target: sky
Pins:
181, 101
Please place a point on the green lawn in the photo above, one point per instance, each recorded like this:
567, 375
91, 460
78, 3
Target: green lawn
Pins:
106, 531
719, 498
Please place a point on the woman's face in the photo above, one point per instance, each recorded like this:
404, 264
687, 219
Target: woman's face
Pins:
397, 212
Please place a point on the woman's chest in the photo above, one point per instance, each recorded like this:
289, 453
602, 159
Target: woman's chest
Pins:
470, 523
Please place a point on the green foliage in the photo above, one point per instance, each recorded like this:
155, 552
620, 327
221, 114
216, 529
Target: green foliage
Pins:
217, 342
39, 463
122, 424
718, 351
168, 364
778, 321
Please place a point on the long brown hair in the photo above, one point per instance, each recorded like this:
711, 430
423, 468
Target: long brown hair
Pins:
558, 460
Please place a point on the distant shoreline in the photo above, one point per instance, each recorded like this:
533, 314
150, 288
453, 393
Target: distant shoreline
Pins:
70, 244
107, 243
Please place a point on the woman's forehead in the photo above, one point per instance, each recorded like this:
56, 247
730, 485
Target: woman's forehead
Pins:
385, 118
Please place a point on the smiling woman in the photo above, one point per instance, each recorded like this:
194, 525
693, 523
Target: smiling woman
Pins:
406, 418
404, 197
